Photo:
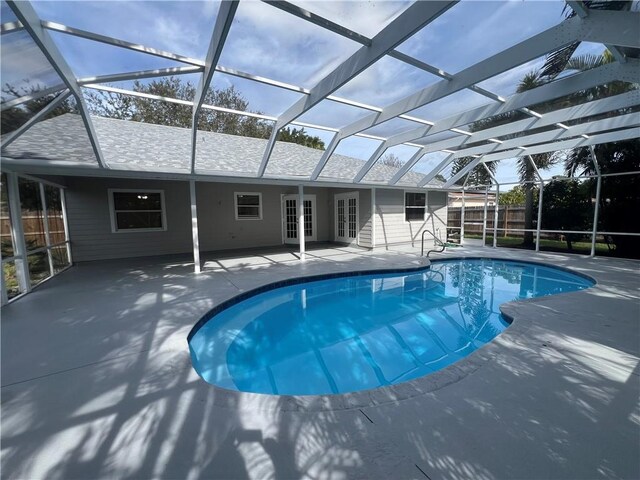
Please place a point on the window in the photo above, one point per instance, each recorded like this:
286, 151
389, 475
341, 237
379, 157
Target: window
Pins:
414, 206
137, 210
248, 206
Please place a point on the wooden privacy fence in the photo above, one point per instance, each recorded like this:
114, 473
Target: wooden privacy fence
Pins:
510, 217
33, 226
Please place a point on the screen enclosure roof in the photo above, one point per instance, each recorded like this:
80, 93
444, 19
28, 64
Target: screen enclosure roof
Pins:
398, 94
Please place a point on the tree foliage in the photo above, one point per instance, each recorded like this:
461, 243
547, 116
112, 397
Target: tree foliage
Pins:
620, 195
391, 160
477, 176
125, 107
515, 196
557, 61
299, 136
567, 206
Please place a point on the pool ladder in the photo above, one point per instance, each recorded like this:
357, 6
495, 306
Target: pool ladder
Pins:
437, 241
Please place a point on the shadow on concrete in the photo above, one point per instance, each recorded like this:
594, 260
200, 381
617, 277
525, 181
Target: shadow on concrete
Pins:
97, 383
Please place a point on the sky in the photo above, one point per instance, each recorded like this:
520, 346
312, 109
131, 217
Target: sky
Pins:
267, 42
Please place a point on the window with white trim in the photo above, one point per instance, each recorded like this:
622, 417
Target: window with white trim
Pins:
414, 206
248, 205
137, 210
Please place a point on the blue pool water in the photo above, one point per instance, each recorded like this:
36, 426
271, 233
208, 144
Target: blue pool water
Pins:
354, 333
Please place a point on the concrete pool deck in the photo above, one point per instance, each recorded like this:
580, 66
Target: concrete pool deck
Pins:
97, 382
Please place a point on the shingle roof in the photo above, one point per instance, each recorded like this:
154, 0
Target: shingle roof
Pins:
149, 147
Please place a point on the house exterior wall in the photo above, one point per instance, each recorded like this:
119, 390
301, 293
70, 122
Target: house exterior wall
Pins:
90, 218
391, 226
92, 239
219, 230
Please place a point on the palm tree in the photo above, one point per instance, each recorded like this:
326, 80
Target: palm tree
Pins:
557, 61
526, 172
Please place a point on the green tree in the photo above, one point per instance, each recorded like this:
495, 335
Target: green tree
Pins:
567, 206
620, 195
477, 176
526, 171
515, 196
299, 136
125, 107
557, 61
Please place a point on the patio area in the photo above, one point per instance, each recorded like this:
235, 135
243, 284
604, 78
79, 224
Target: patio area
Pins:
97, 382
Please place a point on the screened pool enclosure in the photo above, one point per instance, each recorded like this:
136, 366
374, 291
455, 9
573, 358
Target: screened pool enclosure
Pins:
471, 97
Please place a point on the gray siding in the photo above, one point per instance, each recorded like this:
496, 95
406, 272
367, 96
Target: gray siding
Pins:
219, 229
391, 227
90, 220
364, 236
92, 239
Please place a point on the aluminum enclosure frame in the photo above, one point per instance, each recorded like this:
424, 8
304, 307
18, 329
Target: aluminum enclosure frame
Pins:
611, 28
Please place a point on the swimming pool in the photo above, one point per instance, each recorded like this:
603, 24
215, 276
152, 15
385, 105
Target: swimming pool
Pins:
358, 332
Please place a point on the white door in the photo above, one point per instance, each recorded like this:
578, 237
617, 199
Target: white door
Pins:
290, 218
346, 215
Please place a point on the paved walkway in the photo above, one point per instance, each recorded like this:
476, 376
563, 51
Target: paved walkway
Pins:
96, 382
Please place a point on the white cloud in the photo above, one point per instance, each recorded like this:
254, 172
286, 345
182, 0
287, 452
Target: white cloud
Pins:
366, 18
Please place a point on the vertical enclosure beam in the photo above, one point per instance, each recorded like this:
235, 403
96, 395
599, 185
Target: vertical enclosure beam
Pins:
226, 12
301, 222
496, 216
539, 226
194, 226
462, 212
4, 298
497, 206
19, 244
47, 231
373, 217
65, 222
596, 211
540, 195
484, 216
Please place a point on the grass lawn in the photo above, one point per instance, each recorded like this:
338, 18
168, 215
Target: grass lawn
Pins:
549, 245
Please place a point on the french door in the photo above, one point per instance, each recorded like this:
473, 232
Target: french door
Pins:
346, 217
290, 218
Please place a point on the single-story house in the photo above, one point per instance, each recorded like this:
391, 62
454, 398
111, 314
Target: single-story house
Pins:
141, 205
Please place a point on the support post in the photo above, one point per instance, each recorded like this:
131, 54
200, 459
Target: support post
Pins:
373, 217
462, 211
462, 220
4, 298
47, 232
539, 226
194, 226
484, 217
495, 216
540, 198
65, 222
19, 244
301, 222
596, 211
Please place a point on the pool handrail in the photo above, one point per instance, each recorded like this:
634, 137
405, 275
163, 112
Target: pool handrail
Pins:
437, 242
